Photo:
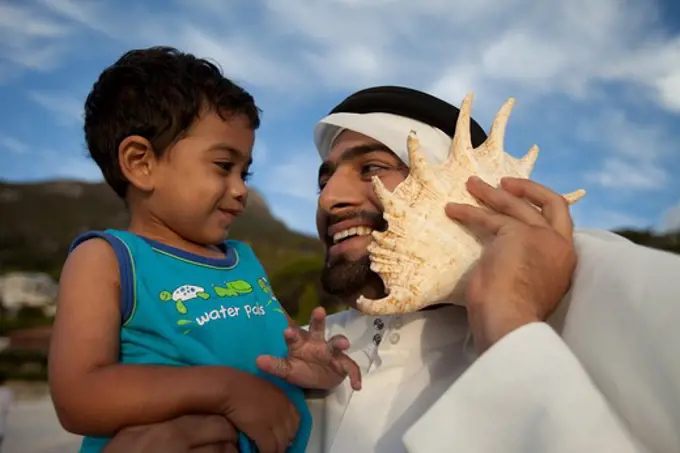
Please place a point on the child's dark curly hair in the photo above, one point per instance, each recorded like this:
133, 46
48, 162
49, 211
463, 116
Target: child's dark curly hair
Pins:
156, 93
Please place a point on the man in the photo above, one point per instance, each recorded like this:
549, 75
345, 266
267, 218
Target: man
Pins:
567, 343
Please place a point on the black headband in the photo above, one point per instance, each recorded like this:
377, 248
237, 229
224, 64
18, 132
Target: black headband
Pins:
412, 104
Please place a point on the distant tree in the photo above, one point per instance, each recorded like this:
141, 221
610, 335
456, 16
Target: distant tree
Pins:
669, 242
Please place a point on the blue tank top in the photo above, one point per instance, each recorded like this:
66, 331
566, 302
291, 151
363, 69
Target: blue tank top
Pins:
182, 309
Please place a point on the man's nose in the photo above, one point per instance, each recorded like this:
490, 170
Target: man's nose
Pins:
341, 192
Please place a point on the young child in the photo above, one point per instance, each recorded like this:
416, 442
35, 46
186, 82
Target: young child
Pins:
169, 317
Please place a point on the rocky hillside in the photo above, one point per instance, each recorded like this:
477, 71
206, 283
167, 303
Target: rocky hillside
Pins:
38, 222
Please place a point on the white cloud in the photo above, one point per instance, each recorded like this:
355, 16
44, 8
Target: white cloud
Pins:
13, 145
294, 177
597, 73
260, 152
238, 57
345, 67
517, 47
627, 138
635, 152
68, 166
92, 15
67, 108
671, 220
29, 41
622, 175
606, 219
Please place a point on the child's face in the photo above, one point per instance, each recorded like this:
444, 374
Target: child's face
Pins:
199, 186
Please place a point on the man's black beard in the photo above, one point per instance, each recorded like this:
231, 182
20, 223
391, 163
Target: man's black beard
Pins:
344, 278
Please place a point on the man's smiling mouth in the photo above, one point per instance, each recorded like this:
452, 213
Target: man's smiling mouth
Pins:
350, 233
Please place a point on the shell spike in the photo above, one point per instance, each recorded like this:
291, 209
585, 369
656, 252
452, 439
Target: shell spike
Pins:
574, 196
375, 307
527, 162
385, 196
462, 140
417, 163
494, 141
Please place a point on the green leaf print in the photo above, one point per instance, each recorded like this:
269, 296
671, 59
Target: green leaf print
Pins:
179, 305
203, 295
263, 284
165, 296
184, 322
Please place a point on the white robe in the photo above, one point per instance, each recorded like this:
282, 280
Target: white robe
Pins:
602, 376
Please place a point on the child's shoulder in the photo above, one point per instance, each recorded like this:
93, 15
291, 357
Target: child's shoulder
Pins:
91, 252
115, 240
110, 245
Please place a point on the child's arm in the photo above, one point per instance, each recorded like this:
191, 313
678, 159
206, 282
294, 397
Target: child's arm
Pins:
92, 393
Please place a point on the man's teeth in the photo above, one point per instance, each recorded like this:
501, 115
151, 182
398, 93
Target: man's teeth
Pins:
354, 231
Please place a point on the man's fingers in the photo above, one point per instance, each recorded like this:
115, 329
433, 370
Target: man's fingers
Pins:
505, 202
204, 429
273, 365
555, 207
317, 324
479, 220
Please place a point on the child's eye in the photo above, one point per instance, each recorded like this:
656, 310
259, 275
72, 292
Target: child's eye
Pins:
226, 166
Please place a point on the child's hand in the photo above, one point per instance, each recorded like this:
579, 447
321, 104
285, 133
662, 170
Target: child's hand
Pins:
260, 409
313, 362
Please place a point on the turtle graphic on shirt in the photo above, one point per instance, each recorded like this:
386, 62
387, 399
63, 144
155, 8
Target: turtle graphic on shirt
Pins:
183, 294
233, 289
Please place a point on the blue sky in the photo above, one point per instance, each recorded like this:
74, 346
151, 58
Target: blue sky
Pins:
597, 83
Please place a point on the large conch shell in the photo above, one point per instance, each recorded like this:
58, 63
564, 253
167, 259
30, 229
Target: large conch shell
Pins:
423, 256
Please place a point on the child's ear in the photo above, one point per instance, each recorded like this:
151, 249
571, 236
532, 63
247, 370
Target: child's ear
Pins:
138, 161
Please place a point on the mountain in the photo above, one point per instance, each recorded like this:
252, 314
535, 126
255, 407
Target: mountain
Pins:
38, 221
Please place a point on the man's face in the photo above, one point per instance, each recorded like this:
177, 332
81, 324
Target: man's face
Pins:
348, 211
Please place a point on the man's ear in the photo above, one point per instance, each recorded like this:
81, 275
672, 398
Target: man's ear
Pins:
137, 162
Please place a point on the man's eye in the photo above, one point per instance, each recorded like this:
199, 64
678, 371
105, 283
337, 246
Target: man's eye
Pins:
370, 169
322, 184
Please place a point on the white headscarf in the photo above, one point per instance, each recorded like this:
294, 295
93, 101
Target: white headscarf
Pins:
391, 130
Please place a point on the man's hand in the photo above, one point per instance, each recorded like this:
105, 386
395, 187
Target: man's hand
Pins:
187, 434
528, 259
313, 362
